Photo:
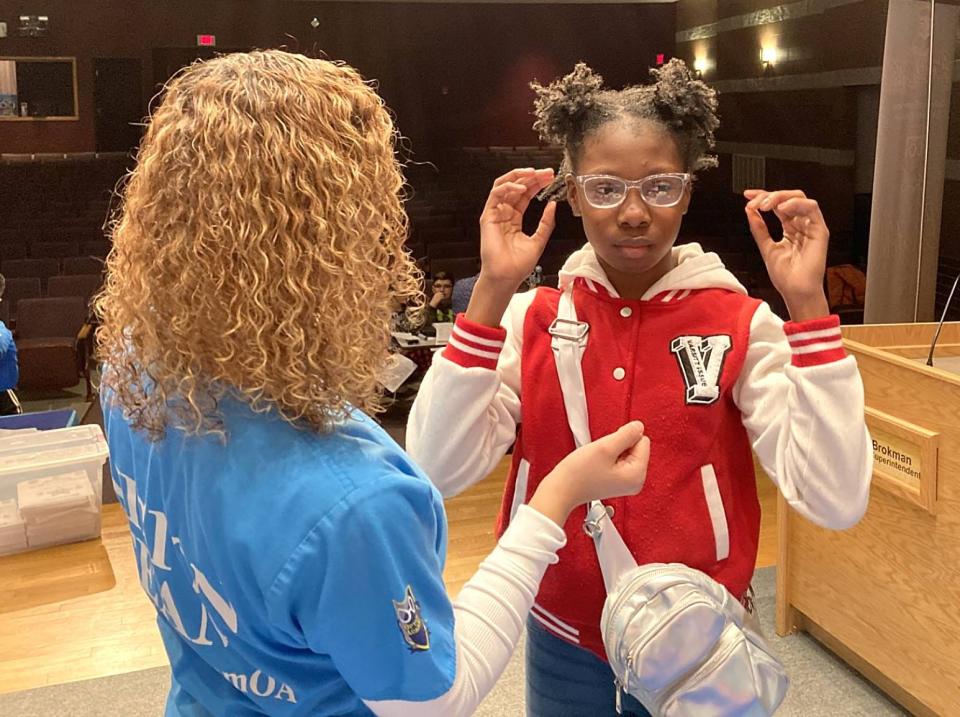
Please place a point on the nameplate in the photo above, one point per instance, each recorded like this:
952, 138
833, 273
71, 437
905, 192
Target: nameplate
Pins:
904, 458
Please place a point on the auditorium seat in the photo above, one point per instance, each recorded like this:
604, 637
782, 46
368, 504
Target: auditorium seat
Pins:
41, 269
52, 343
13, 250
99, 248
20, 268
27, 230
20, 288
54, 249
82, 265
82, 285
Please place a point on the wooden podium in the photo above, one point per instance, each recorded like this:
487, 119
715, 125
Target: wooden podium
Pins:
885, 595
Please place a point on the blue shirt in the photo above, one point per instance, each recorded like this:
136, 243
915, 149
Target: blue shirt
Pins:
9, 370
294, 573
462, 291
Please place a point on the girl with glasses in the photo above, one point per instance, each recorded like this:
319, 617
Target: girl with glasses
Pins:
293, 552
666, 335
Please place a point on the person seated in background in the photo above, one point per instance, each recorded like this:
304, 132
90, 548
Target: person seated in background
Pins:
9, 369
441, 306
293, 552
439, 309
420, 319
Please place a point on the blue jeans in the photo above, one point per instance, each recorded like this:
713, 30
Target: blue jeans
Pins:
564, 680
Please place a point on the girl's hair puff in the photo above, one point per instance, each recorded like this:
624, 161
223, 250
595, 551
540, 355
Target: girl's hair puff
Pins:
571, 109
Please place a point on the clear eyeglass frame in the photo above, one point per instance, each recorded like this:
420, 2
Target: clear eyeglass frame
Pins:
679, 182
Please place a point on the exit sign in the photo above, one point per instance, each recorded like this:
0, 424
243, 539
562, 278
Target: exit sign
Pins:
207, 40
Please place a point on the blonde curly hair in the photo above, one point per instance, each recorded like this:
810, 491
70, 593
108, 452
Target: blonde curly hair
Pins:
258, 252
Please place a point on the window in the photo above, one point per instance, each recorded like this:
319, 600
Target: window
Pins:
38, 88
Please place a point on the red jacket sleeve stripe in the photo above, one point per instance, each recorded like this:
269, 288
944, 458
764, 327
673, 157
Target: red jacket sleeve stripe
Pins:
815, 342
474, 345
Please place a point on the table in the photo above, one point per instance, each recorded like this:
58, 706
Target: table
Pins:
415, 341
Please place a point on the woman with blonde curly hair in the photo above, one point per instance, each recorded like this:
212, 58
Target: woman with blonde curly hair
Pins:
293, 552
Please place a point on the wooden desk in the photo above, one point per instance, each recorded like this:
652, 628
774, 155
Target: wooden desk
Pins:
885, 595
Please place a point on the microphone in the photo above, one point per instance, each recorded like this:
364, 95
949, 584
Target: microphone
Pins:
946, 307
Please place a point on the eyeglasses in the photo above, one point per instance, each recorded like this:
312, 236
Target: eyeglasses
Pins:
604, 191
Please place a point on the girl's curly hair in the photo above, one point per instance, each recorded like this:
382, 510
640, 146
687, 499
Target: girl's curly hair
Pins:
572, 108
258, 251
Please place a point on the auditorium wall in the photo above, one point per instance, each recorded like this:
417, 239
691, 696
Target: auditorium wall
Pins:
801, 110
454, 73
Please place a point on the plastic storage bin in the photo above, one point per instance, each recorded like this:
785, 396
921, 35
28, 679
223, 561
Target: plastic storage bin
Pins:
51, 489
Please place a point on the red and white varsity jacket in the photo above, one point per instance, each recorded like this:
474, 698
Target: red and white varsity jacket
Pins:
711, 373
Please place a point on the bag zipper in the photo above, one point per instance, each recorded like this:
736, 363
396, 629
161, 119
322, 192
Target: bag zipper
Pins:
704, 668
623, 686
646, 637
623, 593
683, 603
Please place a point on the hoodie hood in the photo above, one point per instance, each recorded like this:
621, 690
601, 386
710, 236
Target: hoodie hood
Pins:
693, 269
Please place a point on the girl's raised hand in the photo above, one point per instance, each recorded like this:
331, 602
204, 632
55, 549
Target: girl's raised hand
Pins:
507, 255
796, 264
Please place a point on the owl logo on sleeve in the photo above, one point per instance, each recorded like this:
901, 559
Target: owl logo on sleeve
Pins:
411, 622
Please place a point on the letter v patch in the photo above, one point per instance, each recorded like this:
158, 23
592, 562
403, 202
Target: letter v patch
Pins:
701, 362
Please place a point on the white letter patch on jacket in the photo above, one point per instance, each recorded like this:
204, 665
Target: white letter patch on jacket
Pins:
701, 360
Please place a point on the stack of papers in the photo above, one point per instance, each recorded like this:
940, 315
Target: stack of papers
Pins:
397, 370
13, 532
58, 509
403, 338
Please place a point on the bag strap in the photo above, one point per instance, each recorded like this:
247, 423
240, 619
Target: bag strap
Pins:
569, 340
568, 343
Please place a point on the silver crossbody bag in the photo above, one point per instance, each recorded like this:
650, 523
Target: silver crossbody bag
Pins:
675, 638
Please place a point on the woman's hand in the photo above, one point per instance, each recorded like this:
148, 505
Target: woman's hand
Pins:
796, 264
609, 467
